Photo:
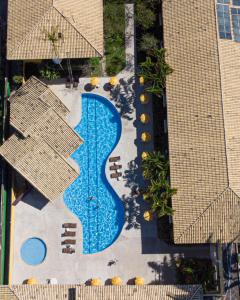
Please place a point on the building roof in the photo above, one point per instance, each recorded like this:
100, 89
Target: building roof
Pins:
203, 124
35, 110
78, 292
43, 141
31, 101
76, 24
40, 164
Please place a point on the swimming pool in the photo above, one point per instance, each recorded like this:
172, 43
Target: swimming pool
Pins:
33, 251
90, 197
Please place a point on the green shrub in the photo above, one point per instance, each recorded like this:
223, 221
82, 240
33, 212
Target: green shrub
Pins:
148, 42
17, 79
48, 72
196, 271
114, 32
155, 70
145, 16
159, 192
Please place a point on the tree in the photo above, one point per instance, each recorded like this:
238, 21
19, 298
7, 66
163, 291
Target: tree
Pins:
148, 43
159, 195
159, 192
155, 71
145, 16
114, 19
155, 166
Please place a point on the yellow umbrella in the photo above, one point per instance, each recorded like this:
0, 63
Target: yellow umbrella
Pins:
113, 81
148, 216
139, 281
96, 282
144, 98
146, 137
144, 118
116, 281
94, 81
32, 281
141, 80
145, 197
145, 155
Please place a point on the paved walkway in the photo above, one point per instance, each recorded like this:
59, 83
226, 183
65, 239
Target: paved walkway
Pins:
137, 251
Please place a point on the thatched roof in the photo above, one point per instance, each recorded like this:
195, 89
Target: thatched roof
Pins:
78, 292
47, 29
203, 124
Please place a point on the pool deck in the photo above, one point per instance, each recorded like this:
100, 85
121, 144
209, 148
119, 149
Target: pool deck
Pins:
137, 251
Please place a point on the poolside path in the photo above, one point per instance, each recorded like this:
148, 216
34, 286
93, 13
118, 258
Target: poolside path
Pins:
137, 251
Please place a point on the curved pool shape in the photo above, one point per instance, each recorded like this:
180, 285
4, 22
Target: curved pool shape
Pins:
33, 251
90, 197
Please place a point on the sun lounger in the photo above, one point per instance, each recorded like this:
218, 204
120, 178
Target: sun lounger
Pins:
115, 167
114, 158
69, 225
68, 250
69, 242
69, 233
115, 175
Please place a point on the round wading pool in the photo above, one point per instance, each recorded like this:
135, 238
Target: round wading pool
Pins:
33, 251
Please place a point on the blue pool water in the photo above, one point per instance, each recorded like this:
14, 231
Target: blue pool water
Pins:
90, 197
33, 251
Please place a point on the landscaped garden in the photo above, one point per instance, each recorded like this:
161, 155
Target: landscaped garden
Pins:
197, 271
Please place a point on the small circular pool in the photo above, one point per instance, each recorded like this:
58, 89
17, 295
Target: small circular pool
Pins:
33, 251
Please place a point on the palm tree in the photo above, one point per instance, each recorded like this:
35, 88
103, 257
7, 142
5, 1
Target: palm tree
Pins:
159, 195
155, 166
159, 191
155, 71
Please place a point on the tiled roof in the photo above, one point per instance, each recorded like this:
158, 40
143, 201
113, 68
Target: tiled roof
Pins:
62, 292
44, 139
35, 110
31, 101
79, 24
40, 164
203, 124
56, 132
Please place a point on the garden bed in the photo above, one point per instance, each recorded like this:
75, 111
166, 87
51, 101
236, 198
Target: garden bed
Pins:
114, 36
197, 271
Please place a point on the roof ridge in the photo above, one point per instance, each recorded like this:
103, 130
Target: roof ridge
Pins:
205, 210
30, 32
90, 43
50, 110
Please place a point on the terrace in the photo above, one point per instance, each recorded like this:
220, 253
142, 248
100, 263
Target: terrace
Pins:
135, 249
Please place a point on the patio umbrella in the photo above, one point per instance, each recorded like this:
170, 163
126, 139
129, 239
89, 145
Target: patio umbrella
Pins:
116, 281
141, 80
145, 155
32, 281
145, 197
144, 118
146, 137
94, 81
144, 98
148, 216
139, 281
113, 81
96, 282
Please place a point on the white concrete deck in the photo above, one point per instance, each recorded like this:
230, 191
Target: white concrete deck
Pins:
137, 251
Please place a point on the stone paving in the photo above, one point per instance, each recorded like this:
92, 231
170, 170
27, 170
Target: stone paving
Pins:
137, 251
